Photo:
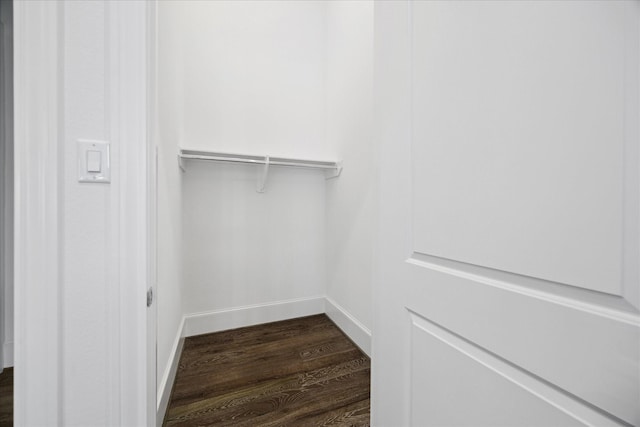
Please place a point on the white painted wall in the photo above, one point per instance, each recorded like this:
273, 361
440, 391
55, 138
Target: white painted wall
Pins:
351, 198
245, 248
85, 219
247, 77
252, 75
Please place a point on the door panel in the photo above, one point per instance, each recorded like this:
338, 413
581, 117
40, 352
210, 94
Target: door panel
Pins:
520, 109
584, 349
499, 395
507, 290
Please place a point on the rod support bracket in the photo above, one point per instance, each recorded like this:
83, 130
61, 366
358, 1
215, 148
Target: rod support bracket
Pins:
262, 178
335, 172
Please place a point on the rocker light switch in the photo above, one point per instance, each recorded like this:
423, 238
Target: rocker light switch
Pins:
93, 161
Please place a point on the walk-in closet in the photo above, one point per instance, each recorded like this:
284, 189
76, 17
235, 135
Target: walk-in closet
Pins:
265, 168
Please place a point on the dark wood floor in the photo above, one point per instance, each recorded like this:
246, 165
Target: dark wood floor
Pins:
6, 397
299, 372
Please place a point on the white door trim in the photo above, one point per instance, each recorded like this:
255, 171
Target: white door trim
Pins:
39, 203
391, 107
128, 106
38, 277
6, 185
152, 210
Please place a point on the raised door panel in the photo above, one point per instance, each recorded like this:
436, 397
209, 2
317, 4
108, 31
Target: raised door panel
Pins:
588, 352
520, 114
480, 389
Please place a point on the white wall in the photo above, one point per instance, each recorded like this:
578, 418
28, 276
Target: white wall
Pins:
247, 77
252, 75
85, 219
245, 248
351, 198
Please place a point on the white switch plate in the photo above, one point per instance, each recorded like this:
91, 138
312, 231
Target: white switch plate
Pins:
104, 167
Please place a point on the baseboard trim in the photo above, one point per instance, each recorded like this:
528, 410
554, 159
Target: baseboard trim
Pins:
7, 354
355, 330
169, 376
249, 315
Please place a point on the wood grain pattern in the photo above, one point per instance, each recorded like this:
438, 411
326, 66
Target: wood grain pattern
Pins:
299, 372
6, 397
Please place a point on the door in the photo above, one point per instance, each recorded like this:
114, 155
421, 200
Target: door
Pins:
508, 283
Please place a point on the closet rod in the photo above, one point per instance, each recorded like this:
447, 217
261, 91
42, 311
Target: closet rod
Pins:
214, 156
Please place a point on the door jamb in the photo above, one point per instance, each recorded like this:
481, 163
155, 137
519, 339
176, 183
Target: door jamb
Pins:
37, 199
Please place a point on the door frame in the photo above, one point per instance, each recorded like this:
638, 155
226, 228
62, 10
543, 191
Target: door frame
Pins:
6, 186
39, 204
37, 198
391, 95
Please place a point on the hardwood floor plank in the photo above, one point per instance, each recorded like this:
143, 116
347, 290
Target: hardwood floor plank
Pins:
208, 381
355, 414
6, 397
251, 335
302, 371
196, 361
276, 402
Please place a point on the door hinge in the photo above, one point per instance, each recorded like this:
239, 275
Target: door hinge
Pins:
149, 297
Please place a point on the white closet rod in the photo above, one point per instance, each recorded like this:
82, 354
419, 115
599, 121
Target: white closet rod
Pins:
332, 169
250, 159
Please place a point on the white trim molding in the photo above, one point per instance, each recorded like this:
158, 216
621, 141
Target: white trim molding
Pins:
42, 369
6, 183
38, 281
249, 315
356, 331
169, 375
7, 353
132, 394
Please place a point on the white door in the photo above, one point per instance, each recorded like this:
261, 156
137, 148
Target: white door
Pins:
508, 283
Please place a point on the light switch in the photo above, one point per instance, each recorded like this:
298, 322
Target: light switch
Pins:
93, 161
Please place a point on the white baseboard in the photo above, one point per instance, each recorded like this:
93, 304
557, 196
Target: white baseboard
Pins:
355, 330
238, 317
7, 354
169, 376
